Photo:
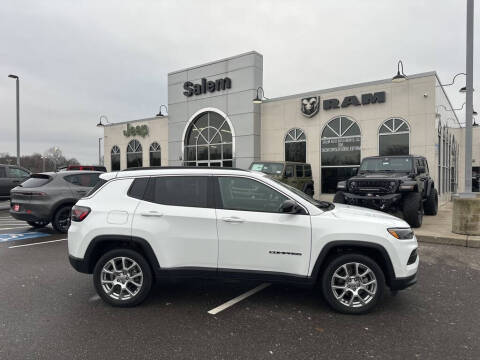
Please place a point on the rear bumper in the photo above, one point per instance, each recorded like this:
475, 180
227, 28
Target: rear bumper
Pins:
379, 202
24, 216
79, 264
403, 283
30, 212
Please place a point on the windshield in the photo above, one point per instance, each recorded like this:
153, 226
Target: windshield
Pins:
268, 168
36, 180
387, 164
324, 205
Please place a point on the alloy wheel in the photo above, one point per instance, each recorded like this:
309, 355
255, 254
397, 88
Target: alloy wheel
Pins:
64, 220
354, 284
121, 278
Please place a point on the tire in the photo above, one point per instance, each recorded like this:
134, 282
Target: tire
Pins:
431, 205
309, 191
61, 219
339, 197
412, 209
346, 296
38, 224
135, 264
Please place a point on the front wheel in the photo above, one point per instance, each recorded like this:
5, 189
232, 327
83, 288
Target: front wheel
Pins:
353, 284
431, 204
38, 224
61, 219
122, 277
412, 209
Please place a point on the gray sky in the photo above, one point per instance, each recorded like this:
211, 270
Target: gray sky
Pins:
80, 59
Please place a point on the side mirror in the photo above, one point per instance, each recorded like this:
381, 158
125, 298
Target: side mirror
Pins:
290, 207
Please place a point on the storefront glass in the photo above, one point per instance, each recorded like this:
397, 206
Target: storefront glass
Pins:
134, 154
296, 146
394, 138
155, 154
115, 158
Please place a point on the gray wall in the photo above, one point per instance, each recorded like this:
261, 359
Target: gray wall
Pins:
246, 72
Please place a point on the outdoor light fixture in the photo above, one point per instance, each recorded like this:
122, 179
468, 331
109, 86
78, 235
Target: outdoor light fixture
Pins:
160, 110
400, 75
100, 124
13, 76
258, 99
462, 90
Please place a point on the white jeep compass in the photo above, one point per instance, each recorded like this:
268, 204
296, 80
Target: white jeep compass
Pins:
139, 225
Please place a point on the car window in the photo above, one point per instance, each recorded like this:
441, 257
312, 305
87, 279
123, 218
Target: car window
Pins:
245, 194
289, 171
138, 188
299, 170
36, 180
188, 191
83, 180
3, 173
268, 168
308, 171
17, 173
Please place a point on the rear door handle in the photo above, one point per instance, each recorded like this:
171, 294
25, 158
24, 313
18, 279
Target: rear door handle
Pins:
233, 219
151, 214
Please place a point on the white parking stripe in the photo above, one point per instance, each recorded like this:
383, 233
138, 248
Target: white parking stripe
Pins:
238, 299
17, 227
37, 243
14, 223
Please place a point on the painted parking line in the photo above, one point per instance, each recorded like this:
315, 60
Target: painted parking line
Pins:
238, 299
13, 228
37, 243
21, 236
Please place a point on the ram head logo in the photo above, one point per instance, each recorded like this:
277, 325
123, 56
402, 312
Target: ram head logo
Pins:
310, 106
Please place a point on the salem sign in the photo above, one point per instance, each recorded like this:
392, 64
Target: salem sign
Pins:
206, 85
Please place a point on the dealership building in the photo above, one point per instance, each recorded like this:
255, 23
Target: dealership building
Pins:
213, 120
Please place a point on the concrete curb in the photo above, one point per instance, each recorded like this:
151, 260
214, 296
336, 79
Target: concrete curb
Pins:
460, 240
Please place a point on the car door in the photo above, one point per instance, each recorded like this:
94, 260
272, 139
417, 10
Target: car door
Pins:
4, 182
253, 233
177, 218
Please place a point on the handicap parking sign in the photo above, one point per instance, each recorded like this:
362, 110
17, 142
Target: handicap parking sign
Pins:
21, 236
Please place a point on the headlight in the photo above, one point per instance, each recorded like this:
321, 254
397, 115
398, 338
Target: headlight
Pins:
401, 233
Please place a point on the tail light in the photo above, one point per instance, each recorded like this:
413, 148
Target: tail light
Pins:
80, 212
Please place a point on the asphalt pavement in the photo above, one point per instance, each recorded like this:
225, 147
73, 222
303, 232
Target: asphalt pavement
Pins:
49, 311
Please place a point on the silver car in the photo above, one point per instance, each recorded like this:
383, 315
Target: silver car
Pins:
49, 197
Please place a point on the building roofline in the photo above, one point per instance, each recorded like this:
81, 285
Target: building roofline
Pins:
137, 120
214, 62
345, 87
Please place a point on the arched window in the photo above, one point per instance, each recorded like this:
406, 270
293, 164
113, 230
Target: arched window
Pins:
134, 154
296, 146
155, 154
115, 158
341, 143
208, 141
394, 138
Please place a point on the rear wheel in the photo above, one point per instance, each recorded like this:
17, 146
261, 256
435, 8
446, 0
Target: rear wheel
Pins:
61, 219
412, 209
339, 197
353, 284
122, 277
38, 224
431, 205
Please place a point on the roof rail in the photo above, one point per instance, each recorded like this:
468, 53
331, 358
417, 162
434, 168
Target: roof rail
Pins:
181, 167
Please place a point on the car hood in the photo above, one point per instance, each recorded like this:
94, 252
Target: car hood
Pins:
380, 175
360, 214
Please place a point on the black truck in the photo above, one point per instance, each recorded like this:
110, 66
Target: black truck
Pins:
392, 183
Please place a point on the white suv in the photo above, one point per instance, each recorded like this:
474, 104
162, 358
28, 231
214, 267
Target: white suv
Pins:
135, 226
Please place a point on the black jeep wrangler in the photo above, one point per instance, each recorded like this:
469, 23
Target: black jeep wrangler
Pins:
392, 183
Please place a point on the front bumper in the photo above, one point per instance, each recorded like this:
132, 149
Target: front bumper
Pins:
403, 283
374, 201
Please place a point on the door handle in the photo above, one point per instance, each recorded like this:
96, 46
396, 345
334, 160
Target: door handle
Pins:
151, 214
233, 220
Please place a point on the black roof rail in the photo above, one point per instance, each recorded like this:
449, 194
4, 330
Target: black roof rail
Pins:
181, 167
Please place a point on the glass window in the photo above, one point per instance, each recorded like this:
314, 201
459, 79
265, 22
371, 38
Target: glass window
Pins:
190, 191
155, 154
115, 158
268, 168
386, 164
308, 171
296, 146
209, 138
84, 180
332, 175
299, 170
249, 195
289, 171
17, 173
394, 138
138, 187
3, 173
36, 180
134, 154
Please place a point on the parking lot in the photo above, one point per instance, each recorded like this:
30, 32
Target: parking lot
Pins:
49, 311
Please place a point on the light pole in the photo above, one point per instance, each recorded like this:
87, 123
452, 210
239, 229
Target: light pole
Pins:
99, 151
469, 99
18, 116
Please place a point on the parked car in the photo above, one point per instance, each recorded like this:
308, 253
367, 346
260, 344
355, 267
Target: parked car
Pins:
49, 197
11, 176
139, 225
296, 174
391, 183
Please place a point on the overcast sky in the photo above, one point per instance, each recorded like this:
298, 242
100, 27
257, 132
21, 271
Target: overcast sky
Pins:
78, 59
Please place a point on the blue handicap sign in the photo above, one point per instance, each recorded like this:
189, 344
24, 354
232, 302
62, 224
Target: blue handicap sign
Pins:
21, 236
